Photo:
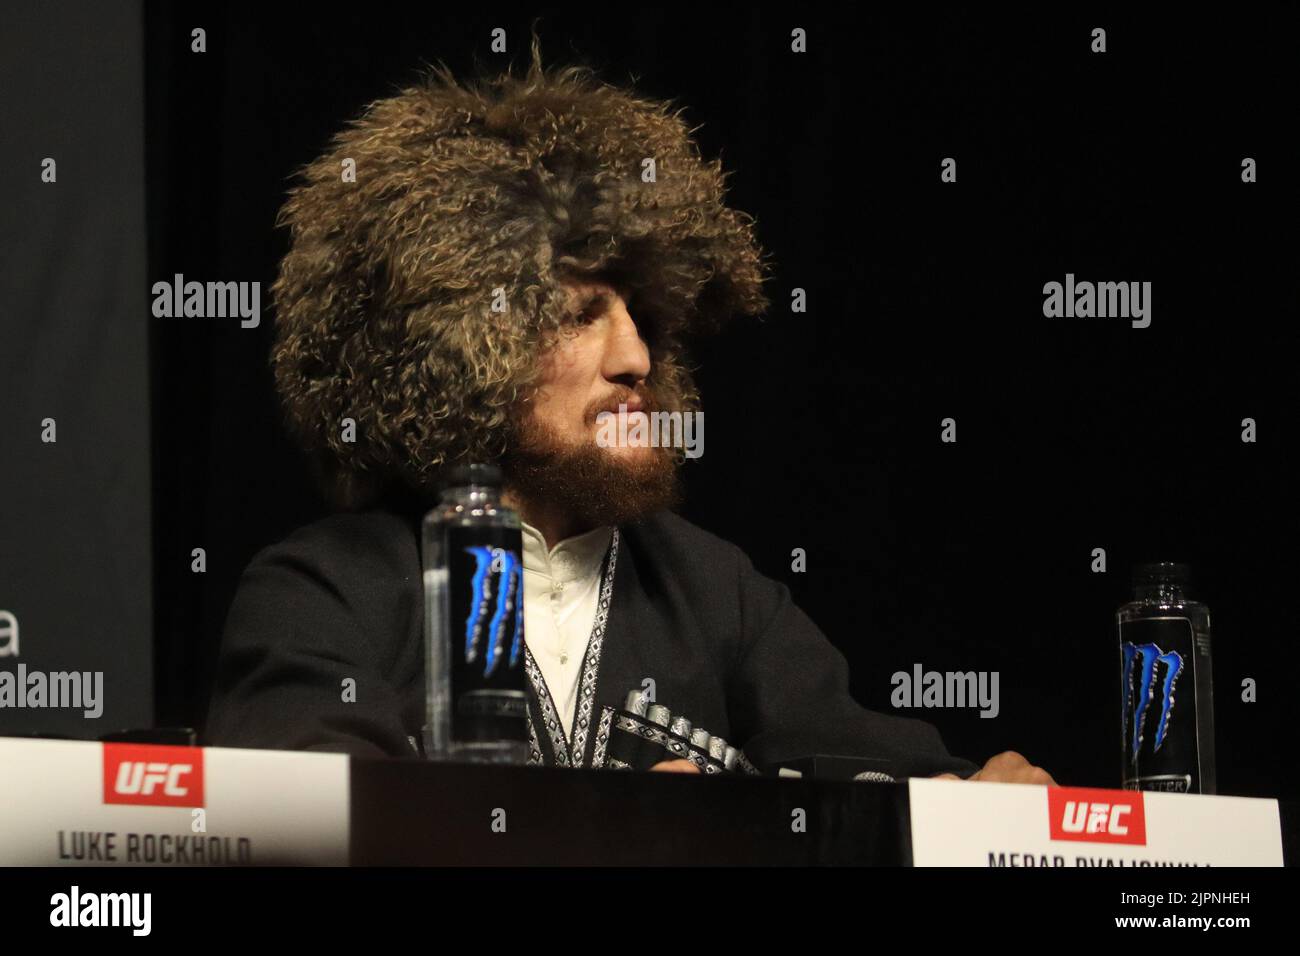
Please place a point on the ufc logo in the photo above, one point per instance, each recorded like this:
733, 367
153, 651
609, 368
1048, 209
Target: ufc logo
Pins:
1097, 816
153, 775
1100, 818
133, 777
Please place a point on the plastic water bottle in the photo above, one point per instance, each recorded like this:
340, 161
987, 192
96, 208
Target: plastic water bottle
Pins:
475, 699
1165, 684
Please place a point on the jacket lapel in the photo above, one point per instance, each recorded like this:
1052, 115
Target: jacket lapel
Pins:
547, 742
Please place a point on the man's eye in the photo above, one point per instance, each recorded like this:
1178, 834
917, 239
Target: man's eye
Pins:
592, 310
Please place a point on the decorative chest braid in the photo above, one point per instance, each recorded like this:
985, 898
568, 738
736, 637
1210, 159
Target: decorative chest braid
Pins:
643, 734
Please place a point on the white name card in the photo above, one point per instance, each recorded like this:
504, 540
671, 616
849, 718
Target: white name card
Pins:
964, 823
82, 803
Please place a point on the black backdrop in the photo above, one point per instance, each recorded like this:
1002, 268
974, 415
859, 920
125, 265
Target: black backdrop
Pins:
925, 301
75, 511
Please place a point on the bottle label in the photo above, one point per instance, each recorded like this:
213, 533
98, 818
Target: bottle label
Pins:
1158, 681
486, 609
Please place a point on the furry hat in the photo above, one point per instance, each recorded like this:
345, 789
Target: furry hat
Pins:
474, 196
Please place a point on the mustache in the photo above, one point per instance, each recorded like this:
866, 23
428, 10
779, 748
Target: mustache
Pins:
646, 395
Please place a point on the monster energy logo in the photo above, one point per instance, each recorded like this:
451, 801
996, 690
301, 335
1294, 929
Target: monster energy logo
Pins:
1140, 662
497, 586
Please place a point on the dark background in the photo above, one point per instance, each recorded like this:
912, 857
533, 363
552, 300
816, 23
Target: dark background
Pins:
925, 301
75, 567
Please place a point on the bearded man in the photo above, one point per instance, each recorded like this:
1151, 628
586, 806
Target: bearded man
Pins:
476, 273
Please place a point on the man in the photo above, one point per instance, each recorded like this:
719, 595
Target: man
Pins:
477, 274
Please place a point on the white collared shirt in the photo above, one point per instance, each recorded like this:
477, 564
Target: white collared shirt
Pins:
561, 595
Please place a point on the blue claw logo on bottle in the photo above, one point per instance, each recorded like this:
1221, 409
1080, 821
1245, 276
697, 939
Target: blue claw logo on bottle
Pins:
1166, 691
1141, 663
495, 585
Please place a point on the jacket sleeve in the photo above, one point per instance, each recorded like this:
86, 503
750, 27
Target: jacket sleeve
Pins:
789, 696
295, 636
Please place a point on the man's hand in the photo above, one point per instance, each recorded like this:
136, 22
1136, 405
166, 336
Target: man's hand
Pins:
676, 766
1006, 767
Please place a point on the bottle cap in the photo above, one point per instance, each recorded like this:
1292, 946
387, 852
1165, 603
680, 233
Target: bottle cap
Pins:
1162, 572
460, 476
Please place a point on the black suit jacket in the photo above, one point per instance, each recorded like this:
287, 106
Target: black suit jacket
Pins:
725, 646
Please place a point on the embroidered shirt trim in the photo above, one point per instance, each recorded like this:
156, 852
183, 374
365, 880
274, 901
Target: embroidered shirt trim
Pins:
570, 752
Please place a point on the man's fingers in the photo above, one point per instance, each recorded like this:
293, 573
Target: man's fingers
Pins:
676, 766
1011, 767
1006, 762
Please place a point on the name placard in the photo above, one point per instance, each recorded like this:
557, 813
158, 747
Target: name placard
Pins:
83, 803
964, 823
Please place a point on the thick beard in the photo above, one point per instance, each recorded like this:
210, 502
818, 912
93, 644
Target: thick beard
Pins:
588, 482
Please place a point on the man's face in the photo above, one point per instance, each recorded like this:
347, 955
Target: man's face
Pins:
593, 367
604, 365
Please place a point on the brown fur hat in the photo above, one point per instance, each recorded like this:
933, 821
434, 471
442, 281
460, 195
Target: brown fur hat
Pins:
468, 196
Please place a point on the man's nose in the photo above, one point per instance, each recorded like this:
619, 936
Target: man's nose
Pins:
626, 354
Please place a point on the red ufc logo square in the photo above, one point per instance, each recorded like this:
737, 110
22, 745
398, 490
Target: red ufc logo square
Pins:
153, 775
1097, 816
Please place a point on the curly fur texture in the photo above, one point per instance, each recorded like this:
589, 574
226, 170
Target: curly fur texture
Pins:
384, 301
